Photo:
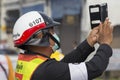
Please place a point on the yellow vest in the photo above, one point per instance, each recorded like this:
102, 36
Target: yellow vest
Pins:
26, 65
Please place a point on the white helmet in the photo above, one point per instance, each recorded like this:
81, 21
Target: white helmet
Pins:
28, 25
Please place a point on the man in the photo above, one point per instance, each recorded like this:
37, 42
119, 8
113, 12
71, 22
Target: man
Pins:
34, 33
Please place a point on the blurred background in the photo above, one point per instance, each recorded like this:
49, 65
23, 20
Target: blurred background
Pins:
75, 26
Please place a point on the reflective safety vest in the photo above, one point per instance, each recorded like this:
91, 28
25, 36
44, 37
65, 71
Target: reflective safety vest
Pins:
26, 65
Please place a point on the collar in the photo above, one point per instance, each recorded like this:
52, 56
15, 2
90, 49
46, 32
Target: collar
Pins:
34, 53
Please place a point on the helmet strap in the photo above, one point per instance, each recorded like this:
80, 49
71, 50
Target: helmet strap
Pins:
55, 40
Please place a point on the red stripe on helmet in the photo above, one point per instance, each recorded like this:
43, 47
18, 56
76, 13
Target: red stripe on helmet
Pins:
27, 34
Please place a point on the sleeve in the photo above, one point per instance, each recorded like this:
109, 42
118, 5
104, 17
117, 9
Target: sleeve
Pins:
97, 65
64, 71
55, 70
79, 54
78, 71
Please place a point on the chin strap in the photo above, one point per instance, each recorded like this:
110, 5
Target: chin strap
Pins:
55, 40
35, 53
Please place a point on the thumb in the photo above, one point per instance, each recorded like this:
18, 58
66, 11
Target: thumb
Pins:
94, 38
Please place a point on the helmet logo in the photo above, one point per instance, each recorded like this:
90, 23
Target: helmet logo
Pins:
35, 22
16, 35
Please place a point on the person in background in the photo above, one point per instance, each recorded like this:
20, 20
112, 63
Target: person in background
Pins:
6, 68
34, 33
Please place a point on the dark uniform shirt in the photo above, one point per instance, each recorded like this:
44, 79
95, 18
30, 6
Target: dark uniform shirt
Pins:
73, 67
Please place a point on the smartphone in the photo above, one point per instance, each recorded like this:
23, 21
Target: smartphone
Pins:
98, 13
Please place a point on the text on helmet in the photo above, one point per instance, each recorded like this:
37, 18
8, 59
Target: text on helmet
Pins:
35, 22
16, 35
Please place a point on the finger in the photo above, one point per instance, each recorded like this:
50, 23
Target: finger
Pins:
105, 23
96, 29
100, 27
106, 20
108, 26
111, 28
94, 38
97, 36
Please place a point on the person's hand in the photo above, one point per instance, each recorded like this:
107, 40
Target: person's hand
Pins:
93, 36
105, 33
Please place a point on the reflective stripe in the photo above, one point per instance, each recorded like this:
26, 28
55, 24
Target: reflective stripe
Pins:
78, 71
25, 69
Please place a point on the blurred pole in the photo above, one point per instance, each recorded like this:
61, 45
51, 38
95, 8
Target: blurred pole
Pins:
48, 8
21, 4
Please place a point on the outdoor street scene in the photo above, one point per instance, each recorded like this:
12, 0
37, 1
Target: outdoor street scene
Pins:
67, 27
